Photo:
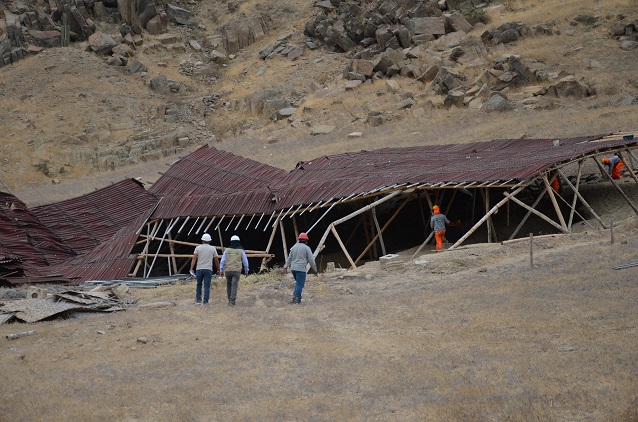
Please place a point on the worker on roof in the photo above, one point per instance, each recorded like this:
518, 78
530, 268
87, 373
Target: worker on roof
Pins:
203, 257
299, 258
233, 259
614, 165
437, 223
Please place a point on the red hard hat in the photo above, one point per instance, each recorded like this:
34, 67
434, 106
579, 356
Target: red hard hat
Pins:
303, 236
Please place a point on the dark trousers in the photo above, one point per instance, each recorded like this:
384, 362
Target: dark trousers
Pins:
203, 277
232, 282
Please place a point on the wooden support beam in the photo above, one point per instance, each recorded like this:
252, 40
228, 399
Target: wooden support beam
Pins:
272, 236
611, 179
487, 215
294, 226
582, 200
379, 232
319, 247
550, 192
171, 247
425, 242
283, 239
538, 213
343, 248
449, 205
385, 226
573, 208
520, 225
169, 227
626, 162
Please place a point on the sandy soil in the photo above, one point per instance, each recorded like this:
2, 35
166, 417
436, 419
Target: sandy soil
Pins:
472, 334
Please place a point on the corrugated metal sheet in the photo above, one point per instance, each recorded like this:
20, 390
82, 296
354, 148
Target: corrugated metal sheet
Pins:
23, 235
110, 260
208, 171
209, 182
341, 175
84, 222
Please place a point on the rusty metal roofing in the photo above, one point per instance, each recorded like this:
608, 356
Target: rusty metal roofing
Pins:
208, 171
513, 160
109, 260
84, 222
23, 235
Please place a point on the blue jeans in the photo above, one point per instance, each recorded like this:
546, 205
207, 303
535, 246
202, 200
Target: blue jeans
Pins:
300, 281
203, 276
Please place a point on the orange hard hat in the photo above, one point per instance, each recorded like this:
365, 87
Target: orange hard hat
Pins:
605, 160
303, 236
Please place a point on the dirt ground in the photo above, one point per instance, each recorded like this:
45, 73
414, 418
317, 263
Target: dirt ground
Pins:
472, 334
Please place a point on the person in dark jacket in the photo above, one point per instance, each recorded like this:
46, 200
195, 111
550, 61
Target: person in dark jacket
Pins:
299, 258
233, 259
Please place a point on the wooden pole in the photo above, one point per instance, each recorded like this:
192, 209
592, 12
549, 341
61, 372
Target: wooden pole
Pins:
385, 226
486, 200
169, 227
272, 236
520, 225
531, 250
422, 245
611, 231
486, 216
582, 200
379, 232
575, 199
550, 192
294, 226
540, 214
283, 239
319, 247
611, 179
171, 247
449, 205
354, 230
343, 248
631, 171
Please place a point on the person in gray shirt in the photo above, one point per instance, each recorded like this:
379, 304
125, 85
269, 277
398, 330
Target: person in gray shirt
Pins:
299, 258
437, 223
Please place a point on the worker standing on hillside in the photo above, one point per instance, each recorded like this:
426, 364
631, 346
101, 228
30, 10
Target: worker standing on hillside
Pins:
203, 257
233, 259
614, 165
437, 223
299, 258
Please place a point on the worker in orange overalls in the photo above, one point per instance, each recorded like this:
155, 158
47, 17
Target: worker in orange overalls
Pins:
614, 165
437, 223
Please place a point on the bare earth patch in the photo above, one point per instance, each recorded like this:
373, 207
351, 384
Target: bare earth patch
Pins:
470, 334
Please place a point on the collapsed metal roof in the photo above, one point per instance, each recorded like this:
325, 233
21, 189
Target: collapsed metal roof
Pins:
497, 162
221, 188
86, 221
208, 171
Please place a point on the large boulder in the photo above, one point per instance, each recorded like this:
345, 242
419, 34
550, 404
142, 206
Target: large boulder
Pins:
101, 43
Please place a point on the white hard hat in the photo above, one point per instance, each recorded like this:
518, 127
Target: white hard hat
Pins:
234, 237
206, 237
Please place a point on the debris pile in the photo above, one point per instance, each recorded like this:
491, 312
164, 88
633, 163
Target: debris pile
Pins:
101, 299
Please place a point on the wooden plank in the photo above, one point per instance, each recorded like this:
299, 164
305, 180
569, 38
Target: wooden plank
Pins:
552, 197
486, 216
539, 214
582, 200
343, 248
573, 208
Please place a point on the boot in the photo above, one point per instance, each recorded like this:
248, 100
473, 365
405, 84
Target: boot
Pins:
295, 300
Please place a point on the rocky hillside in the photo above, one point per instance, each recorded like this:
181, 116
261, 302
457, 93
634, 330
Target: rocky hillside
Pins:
283, 81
